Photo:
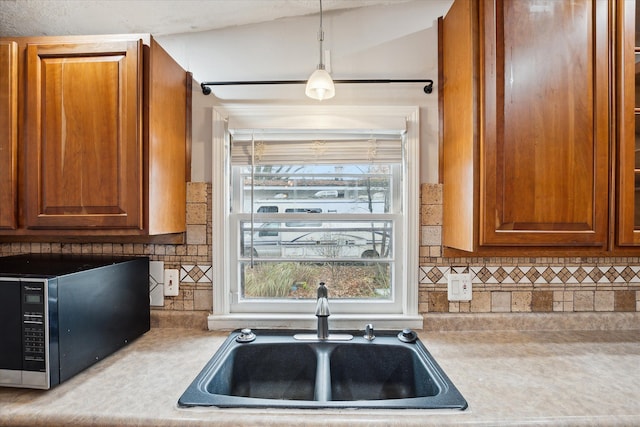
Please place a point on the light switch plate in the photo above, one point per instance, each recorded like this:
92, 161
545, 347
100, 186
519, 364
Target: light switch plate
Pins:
171, 282
459, 287
156, 283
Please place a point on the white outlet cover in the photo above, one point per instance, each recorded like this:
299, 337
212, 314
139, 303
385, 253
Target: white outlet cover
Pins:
156, 283
459, 287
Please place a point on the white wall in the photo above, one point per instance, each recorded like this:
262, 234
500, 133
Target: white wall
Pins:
398, 41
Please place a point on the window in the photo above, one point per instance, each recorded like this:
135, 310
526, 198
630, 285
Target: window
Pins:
333, 223
319, 204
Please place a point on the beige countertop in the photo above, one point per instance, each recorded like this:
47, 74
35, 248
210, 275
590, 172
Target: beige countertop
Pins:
508, 378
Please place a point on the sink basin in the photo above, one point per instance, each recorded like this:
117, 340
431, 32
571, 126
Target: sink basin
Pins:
267, 371
276, 370
373, 372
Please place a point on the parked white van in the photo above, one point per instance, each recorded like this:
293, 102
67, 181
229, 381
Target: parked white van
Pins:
315, 238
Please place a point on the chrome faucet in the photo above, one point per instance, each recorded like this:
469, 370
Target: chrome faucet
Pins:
322, 312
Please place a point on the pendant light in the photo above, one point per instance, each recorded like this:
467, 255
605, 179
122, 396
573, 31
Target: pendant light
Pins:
320, 84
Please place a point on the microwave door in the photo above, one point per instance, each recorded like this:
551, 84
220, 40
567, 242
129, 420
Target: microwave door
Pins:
10, 332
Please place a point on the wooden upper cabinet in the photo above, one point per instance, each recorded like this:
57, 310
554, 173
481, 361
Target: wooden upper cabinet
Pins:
8, 134
535, 111
94, 138
459, 85
168, 116
628, 108
546, 130
83, 144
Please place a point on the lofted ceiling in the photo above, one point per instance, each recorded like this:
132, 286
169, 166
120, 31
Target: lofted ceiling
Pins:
158, 17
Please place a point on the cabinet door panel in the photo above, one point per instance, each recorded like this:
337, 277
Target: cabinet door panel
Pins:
545, 157
84, 138
8, 134
459, 124
627, 103
167, 153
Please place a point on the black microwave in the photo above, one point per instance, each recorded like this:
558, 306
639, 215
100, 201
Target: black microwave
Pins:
59, 314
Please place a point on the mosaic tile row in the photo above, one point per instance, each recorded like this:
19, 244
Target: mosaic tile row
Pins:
607, 274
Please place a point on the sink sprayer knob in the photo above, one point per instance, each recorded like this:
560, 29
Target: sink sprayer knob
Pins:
246, 335
408, 336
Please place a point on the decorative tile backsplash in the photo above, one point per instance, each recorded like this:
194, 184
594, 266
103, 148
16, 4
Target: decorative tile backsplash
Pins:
534, 288
521, 284
195, 273
500, 285
530, 274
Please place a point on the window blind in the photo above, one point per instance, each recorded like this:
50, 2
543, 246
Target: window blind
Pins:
345, 151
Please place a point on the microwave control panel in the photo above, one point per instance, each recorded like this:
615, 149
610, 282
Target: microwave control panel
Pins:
34, 320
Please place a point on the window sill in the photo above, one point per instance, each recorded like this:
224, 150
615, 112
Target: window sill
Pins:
306, 321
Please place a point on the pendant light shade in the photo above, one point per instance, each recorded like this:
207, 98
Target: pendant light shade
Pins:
320, 85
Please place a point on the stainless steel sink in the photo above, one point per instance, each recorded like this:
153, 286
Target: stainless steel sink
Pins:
276, 370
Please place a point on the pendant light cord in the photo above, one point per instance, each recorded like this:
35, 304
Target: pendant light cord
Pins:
321, 39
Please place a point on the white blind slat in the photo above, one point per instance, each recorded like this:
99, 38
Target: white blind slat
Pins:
317, 152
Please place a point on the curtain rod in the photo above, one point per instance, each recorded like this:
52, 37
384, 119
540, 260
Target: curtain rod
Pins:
428, 88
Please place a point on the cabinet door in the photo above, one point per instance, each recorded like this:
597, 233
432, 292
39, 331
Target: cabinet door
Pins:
8, 134
459, 121
544, 144
84, 146
628, 107
167, 123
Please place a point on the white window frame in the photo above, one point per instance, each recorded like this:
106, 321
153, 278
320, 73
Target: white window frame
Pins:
393, 304
287, 118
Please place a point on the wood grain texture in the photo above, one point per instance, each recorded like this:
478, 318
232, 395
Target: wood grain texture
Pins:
546, 151
167, 118
459, 125
627, 214
537, 116
8, 134
84, 139
93, 117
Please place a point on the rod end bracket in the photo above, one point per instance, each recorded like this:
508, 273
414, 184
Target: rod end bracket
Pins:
428, 88
206, 90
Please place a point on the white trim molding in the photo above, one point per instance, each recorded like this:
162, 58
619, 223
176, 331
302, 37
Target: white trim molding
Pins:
286, 118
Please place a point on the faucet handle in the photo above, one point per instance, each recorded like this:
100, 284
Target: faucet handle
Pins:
368, 332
